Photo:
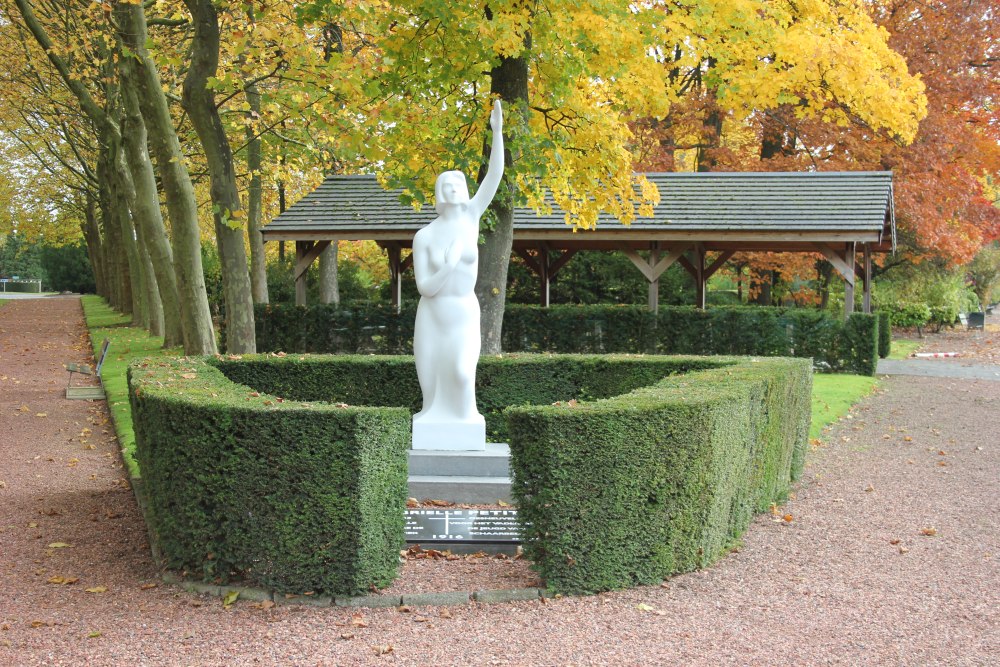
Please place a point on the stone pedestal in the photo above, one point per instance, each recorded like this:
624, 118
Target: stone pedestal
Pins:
450, 436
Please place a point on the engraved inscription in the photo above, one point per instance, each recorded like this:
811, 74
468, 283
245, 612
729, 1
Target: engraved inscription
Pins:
473, 525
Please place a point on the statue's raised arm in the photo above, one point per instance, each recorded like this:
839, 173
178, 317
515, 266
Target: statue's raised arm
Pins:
488, 188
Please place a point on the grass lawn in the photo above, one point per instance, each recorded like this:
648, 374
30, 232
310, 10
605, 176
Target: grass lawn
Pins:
833, 393
903, 348
127, 343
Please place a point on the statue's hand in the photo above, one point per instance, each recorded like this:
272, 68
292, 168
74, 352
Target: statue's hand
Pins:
496, 118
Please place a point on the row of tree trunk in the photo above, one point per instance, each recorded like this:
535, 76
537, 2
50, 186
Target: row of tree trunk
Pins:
141, 269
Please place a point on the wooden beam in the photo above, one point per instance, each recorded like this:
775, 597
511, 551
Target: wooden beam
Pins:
529, 260
640, 262
722, 258
395, 276
839, 262
561, 261
306, 253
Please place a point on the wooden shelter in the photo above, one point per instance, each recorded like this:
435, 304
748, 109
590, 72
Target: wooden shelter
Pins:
702, 219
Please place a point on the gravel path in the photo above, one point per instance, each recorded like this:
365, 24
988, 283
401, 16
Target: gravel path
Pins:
890, 558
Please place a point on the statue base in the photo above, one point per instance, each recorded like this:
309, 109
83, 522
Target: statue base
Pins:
451, 436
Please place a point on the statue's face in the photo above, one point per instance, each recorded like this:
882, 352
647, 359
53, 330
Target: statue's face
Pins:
453, 189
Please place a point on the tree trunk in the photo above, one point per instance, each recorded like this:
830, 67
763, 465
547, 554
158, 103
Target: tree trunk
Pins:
508, 80
95, 251
130, 249
153, 302
255, 195
146, 210
329, 287
182, 207
114, 257
199, 102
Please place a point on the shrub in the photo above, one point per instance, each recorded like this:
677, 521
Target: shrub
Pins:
565, 329
656, 467
884, 334
631, 489
297, 497
910, 314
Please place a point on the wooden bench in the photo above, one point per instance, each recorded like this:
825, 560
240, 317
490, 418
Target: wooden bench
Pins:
87, 393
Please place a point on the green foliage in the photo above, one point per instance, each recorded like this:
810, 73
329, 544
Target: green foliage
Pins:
665, 479
919, 295
884, 334
353, 281
68, 268
567, 329
984, 274
292, 496
20, 258
909, 314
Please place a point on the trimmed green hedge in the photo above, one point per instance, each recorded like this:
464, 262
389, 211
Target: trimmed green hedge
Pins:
292, 496
884, 334
600, 329
631, 489
256, 467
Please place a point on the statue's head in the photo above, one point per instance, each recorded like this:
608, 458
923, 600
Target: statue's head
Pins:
450, 188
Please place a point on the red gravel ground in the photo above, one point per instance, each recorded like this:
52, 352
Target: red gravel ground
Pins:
890, 557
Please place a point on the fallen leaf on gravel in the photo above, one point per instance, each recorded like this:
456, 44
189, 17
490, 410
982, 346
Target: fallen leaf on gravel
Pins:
97, 589
358, 621
38, 624
230, 599
412, 503
32, 525
942, 463
347, 635
264, 604
25, 408
382, 649
788, 518
41, 414
63, 581
503, 504
903, 550
930, 531
403, 609
59, 545
420, 619
146, 587
907, 438
869, 488
642, 606
94, 635
3, 484
894, 542
445, 614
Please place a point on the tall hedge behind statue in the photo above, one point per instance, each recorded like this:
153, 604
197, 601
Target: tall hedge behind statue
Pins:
834, 344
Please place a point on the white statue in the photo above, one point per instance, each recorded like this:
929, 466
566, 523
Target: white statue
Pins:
446, 339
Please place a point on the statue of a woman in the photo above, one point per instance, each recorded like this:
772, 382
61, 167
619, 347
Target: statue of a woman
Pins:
446, 338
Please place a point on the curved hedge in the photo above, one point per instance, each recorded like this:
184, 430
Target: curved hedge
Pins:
833, 343
289, 470
288, 495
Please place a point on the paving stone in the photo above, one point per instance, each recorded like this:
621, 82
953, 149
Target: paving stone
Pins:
507, 595
368, 601
422, 599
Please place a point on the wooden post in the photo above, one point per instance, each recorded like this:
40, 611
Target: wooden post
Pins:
701, 279
306, 253
395, 276
849, 284
544, 279
867, 299
654, 283
301, 248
